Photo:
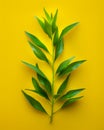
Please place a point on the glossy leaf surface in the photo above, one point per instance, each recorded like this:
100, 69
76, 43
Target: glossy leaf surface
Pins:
38, 53
67, 29
70, 101
34, 102
64, 64
71, 67
35, 41
71, 93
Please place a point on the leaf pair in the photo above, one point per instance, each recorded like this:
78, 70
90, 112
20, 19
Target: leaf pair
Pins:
71, 67
70, 101
41, 76
38, 89
35, 41
69, 97
35, 44
66, 68
38, 53
71, 93
64, 65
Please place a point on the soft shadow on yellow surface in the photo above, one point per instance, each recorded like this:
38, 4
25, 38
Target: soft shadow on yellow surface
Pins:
85, 42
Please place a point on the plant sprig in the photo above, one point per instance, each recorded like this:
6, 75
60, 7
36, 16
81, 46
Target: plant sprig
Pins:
43, 86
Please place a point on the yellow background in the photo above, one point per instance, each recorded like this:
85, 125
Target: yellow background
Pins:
85, 42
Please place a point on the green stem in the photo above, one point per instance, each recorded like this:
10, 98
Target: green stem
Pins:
52, 101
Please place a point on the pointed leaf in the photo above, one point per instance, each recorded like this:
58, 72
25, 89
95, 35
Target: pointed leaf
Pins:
45, 82
71, 93
38, 53
47, 15
71, 67
41, 23
51, 16
64, 64
59, 48
68, 28
35, 68
70, 101
48, 29
54, 27
63, 86
41, 93
35, 84
39, 90
34, 103
35, 41
55, 38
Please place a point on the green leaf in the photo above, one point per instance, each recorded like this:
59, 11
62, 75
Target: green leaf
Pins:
38, 53
43, 93
51, 16
59, 48
35, 68
71, 67
35, 41
63, 86
55, 38
48, 29
64, 64
44, 81
34, 102
54, 27
68, 28
70, 101
47, 15
39, 90
35, 84
71, 93
41, 23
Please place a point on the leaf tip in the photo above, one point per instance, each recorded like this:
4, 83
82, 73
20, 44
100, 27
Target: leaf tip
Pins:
56, 11
83, 88
35, 17
81, 97
22, 91
22, 61
77, 22
84, 60
44, 9
25, 32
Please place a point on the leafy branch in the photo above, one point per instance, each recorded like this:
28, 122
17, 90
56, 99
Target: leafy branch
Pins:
43, 86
